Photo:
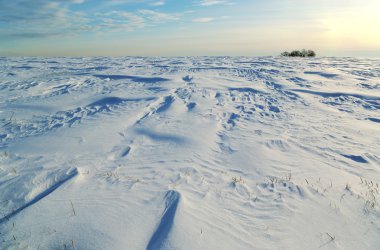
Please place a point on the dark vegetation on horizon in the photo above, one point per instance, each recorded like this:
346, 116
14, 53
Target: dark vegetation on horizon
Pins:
299, 53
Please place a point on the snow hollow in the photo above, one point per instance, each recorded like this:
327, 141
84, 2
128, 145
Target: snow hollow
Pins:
189, 153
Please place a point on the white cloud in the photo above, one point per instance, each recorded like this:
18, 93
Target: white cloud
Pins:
204, 20
44, 18
40, 18
209, 19
158, 3
212, 2
77, 1
156, 16
129, 21
119, 21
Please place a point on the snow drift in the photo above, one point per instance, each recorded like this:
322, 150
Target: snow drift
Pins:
189, 153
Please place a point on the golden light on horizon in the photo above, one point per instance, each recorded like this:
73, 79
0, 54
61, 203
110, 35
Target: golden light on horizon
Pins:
357, 27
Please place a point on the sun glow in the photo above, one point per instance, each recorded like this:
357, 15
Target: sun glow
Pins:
359, 27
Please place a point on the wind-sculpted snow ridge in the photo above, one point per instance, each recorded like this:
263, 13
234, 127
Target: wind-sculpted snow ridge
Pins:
41, 125
157, 241
36, 187
189, 153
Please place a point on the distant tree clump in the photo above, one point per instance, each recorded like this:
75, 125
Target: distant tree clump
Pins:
299, 53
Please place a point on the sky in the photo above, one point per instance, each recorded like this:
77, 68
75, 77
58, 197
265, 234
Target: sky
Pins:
188, 27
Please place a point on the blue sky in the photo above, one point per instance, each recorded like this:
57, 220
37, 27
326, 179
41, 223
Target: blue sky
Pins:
192, 27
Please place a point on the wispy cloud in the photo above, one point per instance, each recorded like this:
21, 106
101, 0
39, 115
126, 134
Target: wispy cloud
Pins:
44, 18
156, 16
158, 3
212, 2
129, 21
204, 20
40, 18
118, 21
209, 19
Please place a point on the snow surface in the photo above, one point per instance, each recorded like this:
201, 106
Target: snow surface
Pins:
189, 153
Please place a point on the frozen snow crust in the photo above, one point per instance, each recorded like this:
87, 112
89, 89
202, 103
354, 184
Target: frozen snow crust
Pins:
189, 153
